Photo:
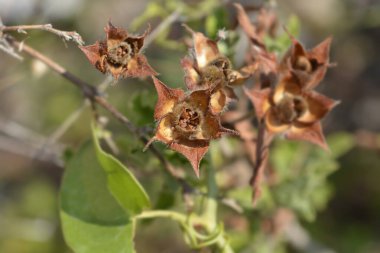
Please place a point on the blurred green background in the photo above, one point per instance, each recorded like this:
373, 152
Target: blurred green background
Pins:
34, 102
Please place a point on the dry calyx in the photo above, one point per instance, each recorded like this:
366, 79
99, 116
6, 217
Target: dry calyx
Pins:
208, 68
291, 110
186, 122
291, 107
120, 54
309, 66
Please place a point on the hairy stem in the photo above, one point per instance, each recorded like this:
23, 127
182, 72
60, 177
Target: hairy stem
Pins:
262, 155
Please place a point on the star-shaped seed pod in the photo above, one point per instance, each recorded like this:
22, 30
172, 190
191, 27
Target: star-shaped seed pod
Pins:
212, 78
290, 110
208, 67
185, 123
120, 54
309, 66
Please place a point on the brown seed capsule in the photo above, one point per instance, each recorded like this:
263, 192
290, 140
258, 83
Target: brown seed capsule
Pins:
309, 66
290, 110
119, 54
209, 69
185, 122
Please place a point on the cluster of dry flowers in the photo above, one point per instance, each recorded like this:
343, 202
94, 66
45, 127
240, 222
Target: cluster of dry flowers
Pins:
282, 94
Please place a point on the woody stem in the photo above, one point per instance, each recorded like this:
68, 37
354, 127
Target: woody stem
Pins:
262, 155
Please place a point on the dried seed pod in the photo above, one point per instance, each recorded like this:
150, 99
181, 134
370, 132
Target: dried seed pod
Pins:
290, 110
185, 122
120, 54
309, 66
207, 58
209, 69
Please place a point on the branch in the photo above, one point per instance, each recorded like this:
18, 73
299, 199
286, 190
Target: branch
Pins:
256, 147
262, 156
162, 26
65, 35
8, 49
61, 130
71, 119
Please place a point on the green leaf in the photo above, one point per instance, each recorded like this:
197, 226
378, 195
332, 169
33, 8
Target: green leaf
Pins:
84, 237
121, 182
92, 220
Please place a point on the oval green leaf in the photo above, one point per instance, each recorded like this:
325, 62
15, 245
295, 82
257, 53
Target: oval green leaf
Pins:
121, 182
92, 220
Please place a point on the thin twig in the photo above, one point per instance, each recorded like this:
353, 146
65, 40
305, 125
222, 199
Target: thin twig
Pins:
262, 155
72, 118
257, 151
65, 35
57, 134
88, 90
162, 26
67, 124
4, 46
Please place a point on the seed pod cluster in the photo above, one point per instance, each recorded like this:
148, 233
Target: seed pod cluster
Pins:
284, 98
187, 120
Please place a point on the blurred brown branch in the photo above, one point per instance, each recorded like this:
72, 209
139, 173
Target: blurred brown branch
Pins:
262, 155
256, 145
